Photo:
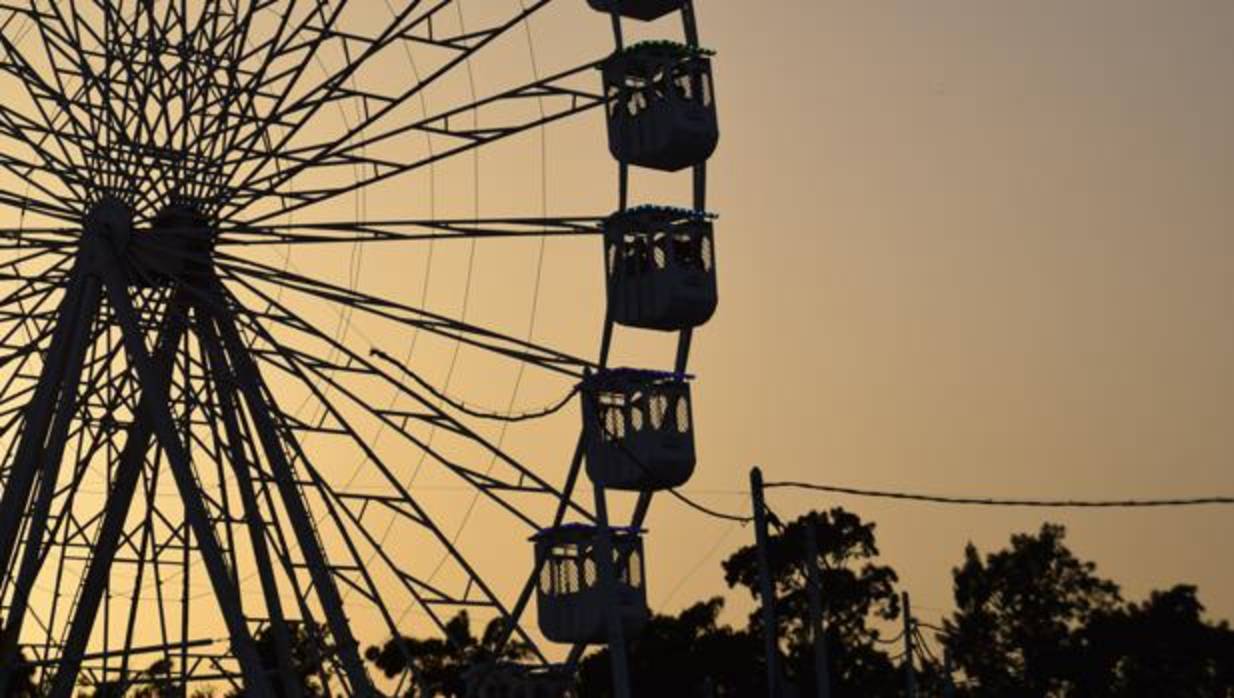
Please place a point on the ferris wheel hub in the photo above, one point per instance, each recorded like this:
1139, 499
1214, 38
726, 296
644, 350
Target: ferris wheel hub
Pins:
176, 245
110, 219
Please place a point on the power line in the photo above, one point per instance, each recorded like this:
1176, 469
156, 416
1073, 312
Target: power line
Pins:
995, 502
476, 412
710, 512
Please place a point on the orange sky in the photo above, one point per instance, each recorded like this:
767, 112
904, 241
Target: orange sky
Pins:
977, 248
965, 248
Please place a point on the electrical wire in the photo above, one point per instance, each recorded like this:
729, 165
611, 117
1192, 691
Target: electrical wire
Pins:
463, 407
994, 502
708, 511
617, 439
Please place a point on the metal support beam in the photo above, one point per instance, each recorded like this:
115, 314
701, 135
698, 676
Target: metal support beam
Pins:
156, 411
34, 430
49, 472
249, 379
229, 409
119, 499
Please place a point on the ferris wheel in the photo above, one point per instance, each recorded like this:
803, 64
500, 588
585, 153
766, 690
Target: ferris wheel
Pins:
276, 376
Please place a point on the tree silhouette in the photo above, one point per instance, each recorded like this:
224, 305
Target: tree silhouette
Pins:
1033, 621
309, 652
438, 667
678, 656
1018, 612
1161, 647
858, 593
22, 683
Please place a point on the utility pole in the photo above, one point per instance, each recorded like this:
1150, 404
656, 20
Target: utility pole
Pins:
910, 679
822, 674
765, 585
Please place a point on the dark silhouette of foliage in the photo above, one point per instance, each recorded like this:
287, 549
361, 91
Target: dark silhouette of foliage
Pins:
161, 683
309, 653
155, 681
439, 667
857, 592
22, 682
1161, 647
677, 655
1033, 621
1018, 612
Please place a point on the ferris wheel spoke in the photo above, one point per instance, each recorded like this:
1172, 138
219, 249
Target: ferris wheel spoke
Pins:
22, 132
306, 367
37, 418
135, 131
403, 26
77, 429
26, 171
557, 100
351, 232
147, 463
282, 46
334, 502
14, 63
246, 273
234, 440
56, 43
411, 509
45, 208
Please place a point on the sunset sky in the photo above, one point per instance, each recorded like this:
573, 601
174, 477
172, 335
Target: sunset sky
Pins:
965, 248
976, 248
